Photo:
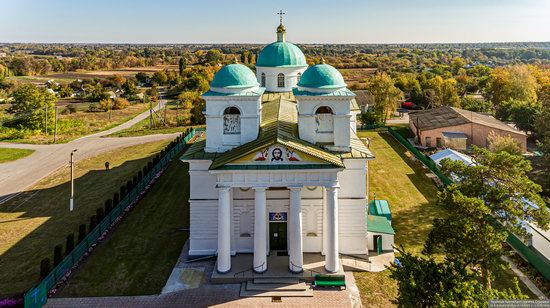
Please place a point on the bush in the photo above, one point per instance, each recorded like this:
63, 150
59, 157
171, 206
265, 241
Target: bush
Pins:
57, 255
69, 245
120, 103
45, 268
81, 232
93, 222
116, 199
105, 104
100, 214
108, 206
123, 191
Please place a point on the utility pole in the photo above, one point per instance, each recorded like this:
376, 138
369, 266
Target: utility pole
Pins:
55, 127
71, 202
150, 113
164, 114
46, 120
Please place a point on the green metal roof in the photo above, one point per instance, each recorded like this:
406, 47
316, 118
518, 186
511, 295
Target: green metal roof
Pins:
322, 76
379, 224
234, 76
380, 208
281, 54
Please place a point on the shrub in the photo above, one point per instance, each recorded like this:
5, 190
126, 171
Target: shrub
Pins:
81, 232
69, 245
116, 199
105, 104
108, 206
93, 222
120, 103
45, 268
100, 214
57, 255
123, 191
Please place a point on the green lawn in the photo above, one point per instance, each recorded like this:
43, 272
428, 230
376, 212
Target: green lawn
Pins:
396, 177
9, 154
139, 256
35, 221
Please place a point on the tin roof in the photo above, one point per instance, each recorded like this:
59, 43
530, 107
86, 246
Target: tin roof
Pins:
379, 224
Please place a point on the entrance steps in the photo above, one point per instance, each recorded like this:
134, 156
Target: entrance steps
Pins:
273, 287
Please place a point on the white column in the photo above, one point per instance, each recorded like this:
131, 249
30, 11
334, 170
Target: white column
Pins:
260, 230
332, 257
295, 228
224, 230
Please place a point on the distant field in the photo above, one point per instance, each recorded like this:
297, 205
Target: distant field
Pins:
81, 74
352, 75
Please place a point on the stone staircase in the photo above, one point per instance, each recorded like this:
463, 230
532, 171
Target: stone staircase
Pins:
275, 287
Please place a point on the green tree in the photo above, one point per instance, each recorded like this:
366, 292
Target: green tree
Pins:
160, 77
476, 104
182, 64
498, 143
512, 83
185, 102
30, 104
426, 282
442, 92
542, 128
386, 95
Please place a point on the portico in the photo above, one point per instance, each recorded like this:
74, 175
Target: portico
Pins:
280, 210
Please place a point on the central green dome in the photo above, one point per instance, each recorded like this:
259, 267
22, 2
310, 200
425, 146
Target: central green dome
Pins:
281, 54
322, 76
234, 76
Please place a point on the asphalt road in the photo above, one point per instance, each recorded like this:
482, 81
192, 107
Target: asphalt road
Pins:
19, 175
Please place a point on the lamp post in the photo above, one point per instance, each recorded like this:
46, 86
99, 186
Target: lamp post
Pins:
71, 202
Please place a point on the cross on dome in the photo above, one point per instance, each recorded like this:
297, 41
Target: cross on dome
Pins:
281, 13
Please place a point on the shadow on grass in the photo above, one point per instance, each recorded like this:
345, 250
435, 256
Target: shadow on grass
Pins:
35, 221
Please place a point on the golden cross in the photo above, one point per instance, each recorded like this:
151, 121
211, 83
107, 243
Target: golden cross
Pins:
281, 13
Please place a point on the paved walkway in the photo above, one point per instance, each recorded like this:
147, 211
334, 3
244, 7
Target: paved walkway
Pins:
532, 287
19, 175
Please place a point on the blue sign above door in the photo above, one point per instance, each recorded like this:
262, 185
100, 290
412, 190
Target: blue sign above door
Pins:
277, 217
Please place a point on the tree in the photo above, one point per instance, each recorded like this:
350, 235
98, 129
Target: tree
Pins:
160, 77
512, 82
30, 104
142, 77
182, 64
120, 103
522, 113
486, 201
152, 93
185, 102
130, 90
426, 282
498, 143
457, 64
213, 57
442, 92
476, 104
386, 95
542, 128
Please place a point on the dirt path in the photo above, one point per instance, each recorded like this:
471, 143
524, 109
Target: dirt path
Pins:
19, 175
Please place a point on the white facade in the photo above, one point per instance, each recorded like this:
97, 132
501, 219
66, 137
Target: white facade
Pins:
269, 77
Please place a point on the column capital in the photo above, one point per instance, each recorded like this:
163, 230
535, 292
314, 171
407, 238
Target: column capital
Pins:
333, 185
295, 187
223, 188
259, 188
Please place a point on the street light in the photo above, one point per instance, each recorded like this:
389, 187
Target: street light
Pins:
71, 163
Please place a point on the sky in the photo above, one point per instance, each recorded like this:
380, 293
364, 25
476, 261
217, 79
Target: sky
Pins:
238, 21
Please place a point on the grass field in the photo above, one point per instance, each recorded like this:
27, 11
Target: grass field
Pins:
139, 256
396, 177
9, 154
35, 221
79, 124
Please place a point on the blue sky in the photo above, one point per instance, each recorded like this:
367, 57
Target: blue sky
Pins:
237, 21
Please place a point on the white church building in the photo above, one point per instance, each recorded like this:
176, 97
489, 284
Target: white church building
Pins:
281, 167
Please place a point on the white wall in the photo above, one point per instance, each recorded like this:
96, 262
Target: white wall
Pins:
250, 108
540, 240
387, 241
271, 73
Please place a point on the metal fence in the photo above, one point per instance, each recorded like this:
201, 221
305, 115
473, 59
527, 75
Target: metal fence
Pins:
538, 262
37, 295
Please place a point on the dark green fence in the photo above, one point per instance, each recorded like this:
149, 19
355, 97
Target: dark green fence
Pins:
537, 261
37, 295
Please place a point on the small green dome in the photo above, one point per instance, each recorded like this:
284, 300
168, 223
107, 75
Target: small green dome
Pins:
281, 54
234, 76
322, 76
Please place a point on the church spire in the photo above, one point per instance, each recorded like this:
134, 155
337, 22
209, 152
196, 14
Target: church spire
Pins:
281, 30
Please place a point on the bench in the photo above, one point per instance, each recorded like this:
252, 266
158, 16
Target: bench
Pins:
330, 281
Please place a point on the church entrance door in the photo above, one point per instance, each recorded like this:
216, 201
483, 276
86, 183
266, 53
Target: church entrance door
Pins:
277, 236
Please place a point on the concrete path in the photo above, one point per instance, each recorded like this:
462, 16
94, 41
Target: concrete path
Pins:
19, 175
528, 283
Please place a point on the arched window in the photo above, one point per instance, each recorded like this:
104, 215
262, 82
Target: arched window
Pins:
298, 77
281, 80
245, 224
324, 120
263, 80
231, 121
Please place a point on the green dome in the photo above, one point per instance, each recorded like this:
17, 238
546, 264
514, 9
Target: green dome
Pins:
322, 76
281, 54
234, 76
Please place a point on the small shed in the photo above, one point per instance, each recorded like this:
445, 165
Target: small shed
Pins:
380, 234
380, 208
452, 155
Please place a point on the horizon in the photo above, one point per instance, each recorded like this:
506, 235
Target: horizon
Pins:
215, 22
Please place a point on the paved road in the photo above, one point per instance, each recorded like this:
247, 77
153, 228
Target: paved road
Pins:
19, 175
